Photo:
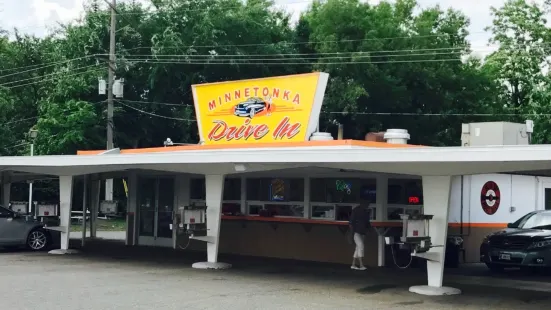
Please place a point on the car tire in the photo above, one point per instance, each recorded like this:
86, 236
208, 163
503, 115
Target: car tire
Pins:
38, 240
494, 267
251, 113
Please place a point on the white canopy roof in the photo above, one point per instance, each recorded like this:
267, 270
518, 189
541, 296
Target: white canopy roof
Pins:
412, 160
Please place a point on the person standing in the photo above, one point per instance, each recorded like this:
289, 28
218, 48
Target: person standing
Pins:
359, 225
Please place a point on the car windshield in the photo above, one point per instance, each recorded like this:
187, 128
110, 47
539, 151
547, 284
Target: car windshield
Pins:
534, 221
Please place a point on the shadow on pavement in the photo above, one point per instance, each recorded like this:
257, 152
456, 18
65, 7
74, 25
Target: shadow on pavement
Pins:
369, 282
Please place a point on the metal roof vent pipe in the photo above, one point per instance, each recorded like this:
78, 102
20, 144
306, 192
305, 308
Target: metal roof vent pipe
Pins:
321, 136
396, 136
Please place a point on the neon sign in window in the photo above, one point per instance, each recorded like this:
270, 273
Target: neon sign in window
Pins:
343, 186
277, 190
414, 200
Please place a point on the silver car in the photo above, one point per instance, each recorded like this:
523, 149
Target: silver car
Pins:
22, 231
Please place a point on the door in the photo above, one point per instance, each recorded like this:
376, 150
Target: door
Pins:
13, 230
156, 200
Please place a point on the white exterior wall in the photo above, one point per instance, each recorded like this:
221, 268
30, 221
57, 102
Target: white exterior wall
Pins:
520, 194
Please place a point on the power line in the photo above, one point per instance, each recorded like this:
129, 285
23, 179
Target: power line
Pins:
414, 37
436, 114
152, 102
41, 66
176, 61
55, 77
157, 115
43, 76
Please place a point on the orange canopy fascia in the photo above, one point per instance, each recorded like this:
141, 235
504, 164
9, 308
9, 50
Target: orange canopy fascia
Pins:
357, 143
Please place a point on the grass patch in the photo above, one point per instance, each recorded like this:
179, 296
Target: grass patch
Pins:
104, 225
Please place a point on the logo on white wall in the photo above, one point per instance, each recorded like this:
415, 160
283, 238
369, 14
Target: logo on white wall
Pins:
490, 197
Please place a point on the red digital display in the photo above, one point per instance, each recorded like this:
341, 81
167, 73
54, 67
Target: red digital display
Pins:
413, 200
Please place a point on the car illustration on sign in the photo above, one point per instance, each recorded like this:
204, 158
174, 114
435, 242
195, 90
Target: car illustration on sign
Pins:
250, 107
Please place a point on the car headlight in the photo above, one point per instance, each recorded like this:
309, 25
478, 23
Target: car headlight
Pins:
540, 244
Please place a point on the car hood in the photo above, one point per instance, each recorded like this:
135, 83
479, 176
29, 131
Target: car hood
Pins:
522, 233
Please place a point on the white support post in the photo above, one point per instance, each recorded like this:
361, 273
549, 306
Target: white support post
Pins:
84, 208
6, 193
244, 196
307, 207
65, 199
215, 189
380, 215
131, 208
182, 199
436, 196
95, 187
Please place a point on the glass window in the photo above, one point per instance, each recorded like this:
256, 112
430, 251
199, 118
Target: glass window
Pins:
4, 213
254, 209
405, 192
231, 208
198, 190
537, 221
285, 210
343, 213
342, 190
277, 189
232, 189
323, 212
547, 199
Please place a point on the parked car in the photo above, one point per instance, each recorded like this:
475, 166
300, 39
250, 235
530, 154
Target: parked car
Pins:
23, 231
250, 107
525, 243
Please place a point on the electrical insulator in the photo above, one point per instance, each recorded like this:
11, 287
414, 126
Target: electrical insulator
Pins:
102, 87
118, 88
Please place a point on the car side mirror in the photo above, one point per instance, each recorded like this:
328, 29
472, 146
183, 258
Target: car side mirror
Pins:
510, 225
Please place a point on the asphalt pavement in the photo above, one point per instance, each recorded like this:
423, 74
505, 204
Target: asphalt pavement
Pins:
108, 275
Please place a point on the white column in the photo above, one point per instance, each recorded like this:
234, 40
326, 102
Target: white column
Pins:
215, 189
65, 199
6, 193
436, 196
131, 208
380, 216
84, 207
244, 196
307, 206
95, 186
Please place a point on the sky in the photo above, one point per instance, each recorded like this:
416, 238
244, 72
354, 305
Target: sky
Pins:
35, 16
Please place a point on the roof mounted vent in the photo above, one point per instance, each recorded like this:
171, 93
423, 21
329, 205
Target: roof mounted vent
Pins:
397, 136
321, 136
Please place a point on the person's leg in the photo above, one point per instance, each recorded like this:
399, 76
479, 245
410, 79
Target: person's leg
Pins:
358, 251
360, 245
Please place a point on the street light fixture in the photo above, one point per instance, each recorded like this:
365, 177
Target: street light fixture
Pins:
33, 133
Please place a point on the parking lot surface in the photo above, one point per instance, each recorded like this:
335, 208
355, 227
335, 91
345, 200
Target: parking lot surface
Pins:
111, 276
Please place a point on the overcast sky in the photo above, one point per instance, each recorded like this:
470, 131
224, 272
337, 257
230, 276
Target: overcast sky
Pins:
35, 16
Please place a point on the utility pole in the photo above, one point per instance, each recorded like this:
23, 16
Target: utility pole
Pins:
110, 82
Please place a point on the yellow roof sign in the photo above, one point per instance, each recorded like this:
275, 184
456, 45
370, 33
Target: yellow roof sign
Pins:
276, 109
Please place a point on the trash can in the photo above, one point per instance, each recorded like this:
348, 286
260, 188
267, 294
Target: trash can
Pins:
453, 249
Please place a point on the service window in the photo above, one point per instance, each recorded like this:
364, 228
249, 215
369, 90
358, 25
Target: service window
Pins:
232, 189
342, 190
197, 189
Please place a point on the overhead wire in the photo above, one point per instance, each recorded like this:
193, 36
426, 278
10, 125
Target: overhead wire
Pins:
157, 115
56, 77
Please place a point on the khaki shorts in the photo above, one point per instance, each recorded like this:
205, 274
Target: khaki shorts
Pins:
359, 241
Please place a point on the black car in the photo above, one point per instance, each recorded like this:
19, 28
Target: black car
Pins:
525, 243
250, 107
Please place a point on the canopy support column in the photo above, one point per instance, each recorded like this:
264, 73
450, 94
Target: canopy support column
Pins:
65, 202
214, 185
436, 196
